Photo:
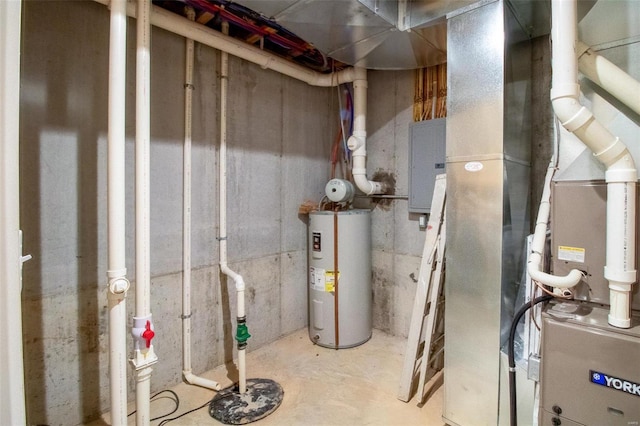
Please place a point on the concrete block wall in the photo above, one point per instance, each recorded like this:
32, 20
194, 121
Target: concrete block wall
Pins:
396, 238
280, 132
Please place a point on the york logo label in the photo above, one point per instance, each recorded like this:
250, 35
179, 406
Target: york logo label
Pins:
614, 382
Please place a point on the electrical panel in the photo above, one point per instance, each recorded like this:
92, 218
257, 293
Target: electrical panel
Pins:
426, 161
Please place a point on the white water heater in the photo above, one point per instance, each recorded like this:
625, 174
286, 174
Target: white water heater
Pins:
340, 293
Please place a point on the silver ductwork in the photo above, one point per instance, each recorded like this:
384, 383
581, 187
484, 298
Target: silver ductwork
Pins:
488, 156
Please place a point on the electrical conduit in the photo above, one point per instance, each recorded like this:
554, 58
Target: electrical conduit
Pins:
186, 230
242, 333
116, 273
621, 175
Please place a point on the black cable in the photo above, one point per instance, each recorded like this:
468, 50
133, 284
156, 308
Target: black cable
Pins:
176, 400
512, 363
165, 421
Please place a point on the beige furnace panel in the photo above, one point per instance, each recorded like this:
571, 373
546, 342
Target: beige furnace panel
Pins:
578, 225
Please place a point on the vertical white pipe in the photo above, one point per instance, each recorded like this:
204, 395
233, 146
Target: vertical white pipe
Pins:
118, 284
186, 203
186, 225
621, 174
144, 355
12, 402
143, 123
224, 268
358, 141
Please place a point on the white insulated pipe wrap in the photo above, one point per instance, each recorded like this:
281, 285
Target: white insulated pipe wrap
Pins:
621, 175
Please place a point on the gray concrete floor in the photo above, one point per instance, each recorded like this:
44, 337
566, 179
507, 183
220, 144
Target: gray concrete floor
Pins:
322, 386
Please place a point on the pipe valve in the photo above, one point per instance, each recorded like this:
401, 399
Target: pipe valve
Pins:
143, 334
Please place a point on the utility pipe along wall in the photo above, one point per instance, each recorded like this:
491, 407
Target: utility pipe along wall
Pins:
205, 35
621, 175
12, 404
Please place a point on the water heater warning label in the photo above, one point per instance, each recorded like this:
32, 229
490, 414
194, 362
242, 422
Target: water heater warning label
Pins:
317, 278
571, 254
322, 280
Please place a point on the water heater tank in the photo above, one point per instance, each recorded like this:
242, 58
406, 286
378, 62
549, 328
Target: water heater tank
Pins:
340, 293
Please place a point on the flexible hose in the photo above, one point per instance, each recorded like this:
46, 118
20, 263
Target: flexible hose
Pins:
512, 363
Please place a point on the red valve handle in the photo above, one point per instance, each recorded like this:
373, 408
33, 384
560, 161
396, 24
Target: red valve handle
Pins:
148, 334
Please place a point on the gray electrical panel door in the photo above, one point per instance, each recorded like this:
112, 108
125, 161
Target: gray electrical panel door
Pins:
426, 161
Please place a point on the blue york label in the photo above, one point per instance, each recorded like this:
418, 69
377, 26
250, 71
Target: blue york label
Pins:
614, 382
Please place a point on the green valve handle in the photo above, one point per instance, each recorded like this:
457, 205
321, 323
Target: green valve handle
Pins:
242, 333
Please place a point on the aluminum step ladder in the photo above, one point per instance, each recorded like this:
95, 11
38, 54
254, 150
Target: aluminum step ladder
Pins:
425, 343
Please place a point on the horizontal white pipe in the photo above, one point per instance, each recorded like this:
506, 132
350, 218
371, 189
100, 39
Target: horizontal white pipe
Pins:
621, 175
169, 21
12, 402
534, 264
199, 381
608, 76
118, 284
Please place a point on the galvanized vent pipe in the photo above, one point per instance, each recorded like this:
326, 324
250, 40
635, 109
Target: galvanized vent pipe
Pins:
621, 175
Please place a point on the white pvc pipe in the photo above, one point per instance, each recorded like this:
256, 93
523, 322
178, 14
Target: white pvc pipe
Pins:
224, 267
143, 351
608, 76
171, 22
118, 283
143, 136
186, 229
534, 264
621, 175
12, 402
358, 141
